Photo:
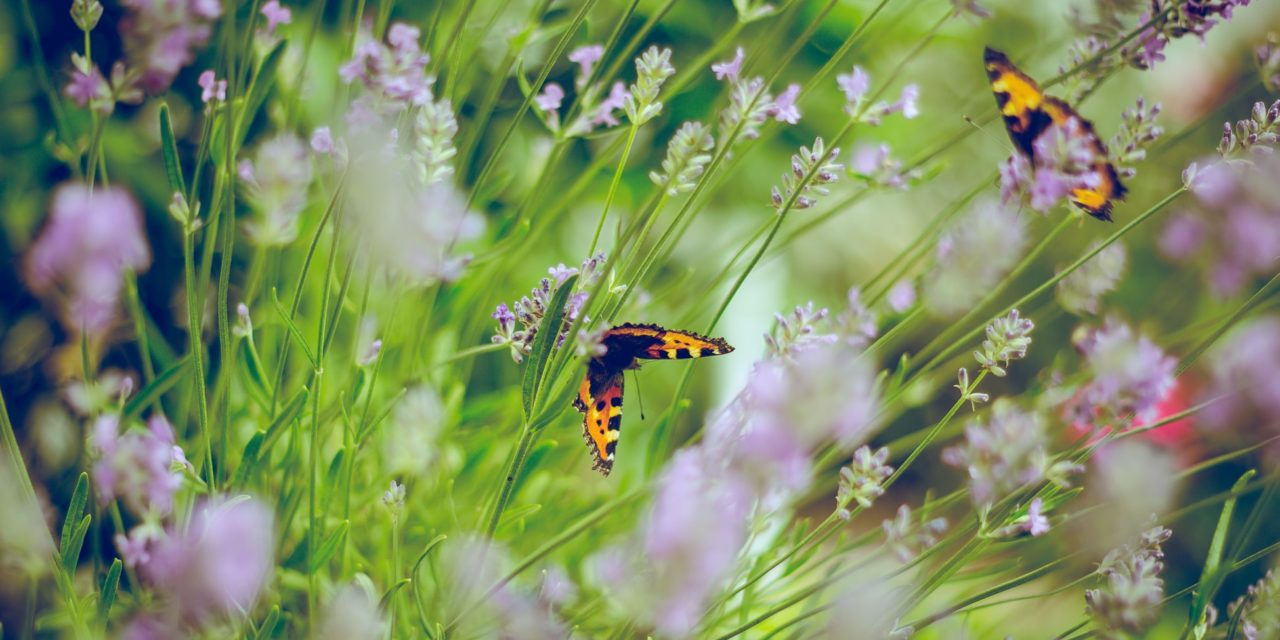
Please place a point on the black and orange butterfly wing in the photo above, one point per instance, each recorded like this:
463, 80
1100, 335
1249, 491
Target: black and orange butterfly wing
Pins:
600, 401
1098, 199
1019, 99
1027, 112
600, 396
652, 342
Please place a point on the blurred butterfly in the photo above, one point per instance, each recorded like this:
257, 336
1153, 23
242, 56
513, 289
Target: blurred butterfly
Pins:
600, 397
1028, 113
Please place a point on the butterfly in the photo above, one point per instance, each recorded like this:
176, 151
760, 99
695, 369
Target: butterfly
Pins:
600, 397
1028, 112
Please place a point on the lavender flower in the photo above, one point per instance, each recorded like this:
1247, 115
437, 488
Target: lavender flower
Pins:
901, 296
81, 256
280, 175
1006, 453
435, 127
1130, 480
862, 481
472, 566
1259, 609
810, 172
797, 331
875, 165
731, 69
687, 157
218, 565
1244, 372
322, 141
585, 57
88, 88
979, 249
1127, 374
550, 98
276, 15
1008, 338
748, 109
394, 75
412, 444
531, 309
856, 86
1128, 601
211, 88
86, 13
1235, 225
1083, 288
909, 538
694, 532
653, 67
784, 107
603, 112
136, 467
1175, 19
1262, 127
353, 614
161, 38
1065, 158
1138, 130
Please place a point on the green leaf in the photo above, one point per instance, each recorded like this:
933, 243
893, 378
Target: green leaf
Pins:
79, 497
286, 416
263, 81
158, 387
107, 596
293, 328
544, 342
333, 479
268, 627
251, 373
71, 548
1213, 575
249, 459
329, 546
391, 593
169, 145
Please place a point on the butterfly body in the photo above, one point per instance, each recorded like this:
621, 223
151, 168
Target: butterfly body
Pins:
1028, 113
600, 396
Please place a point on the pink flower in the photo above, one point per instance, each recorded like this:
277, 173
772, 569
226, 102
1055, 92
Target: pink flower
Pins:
90, 89
1036, 524
163, 37
216, 566
586, 57
212, 89
550, 98
322, 141
854, 84
81, 255
617, 99
729, 69
276, 15
136, 466
784, 107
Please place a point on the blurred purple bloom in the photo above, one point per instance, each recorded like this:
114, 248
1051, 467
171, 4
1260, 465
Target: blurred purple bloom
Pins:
1036, 524
277, 189
617, 99
1005, 452
218, 564
876, 165
395, 77
322, 140
902, 296
854, 85
89, 89
1244, 376
135, 467
730, 69
161, 38
1082, 290
907, 101
80, 257
973, 255
1235, 226
550, 98
1127, 373
276, 15
586, 58
784, 107
908, 539
211, 88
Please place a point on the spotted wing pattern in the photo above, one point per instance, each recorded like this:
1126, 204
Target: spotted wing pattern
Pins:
667, 344
600, 401
1027, 112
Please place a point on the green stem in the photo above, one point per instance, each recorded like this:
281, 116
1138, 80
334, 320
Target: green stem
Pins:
613, 189
196, 348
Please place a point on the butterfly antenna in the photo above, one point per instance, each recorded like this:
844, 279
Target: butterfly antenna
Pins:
635, 378
997, 139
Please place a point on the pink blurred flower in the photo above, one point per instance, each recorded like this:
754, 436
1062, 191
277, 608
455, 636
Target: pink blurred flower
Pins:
136, 466
550, 98
784, 107
276, 15
586, 58
88, 88
80, 257
730, 69
616, 99
163, 37
216, 566
212, 88
1127, 374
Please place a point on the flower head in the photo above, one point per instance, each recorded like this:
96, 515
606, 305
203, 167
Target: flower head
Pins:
531, 309
1127, 374
687, 155
810, 172
80, 258
276, 15
1244, 376
281, 174
161, 38
909, 536
1008, 338
784, 107
653, 67
730, 69
1128, 600
1259, 609
1082, 289
212, 88
1005, 453
550, 99
88, 88
586, 57
972, 256
862, 481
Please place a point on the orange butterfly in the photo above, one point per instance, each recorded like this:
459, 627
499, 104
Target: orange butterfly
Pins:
1028, 112
600, 397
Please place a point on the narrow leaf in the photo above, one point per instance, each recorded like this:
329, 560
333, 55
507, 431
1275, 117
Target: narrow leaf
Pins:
544, 342
286, 416
391, 593
71, 548
158, 387
1212, 576
293, 329
107, 596
329, 546
79, 497
169, 146
249, 459
263, 81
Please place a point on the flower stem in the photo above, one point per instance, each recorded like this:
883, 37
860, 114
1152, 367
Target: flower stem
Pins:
613, 188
